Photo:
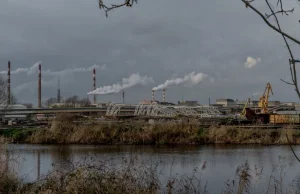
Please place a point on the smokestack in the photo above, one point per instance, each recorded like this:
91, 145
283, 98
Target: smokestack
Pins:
164, 95
40, 87
8, 84
58, 90
153, 98
123, 97
94, 84
209, 101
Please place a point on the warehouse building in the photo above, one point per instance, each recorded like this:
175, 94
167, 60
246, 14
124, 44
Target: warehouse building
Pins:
226, 102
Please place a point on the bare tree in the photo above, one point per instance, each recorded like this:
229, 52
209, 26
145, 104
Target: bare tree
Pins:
50, 102
85, 102
72, 101
275, 12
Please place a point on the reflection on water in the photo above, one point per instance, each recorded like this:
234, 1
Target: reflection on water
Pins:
222, 161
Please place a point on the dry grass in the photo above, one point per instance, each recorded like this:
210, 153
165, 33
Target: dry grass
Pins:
104, 177
65, 131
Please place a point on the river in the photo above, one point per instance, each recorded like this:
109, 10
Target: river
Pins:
221, 161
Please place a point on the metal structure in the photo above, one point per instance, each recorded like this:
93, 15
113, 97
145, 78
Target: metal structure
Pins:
264, 99
281, 107
247, 105
114, 109
157, 110
8, 84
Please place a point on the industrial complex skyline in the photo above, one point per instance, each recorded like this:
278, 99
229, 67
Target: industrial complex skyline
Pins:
134, 80
242, 57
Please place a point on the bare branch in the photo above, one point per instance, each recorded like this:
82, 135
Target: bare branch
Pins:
247, 3
280, 11
285, 36
293, 70
127, 3
292, 148
289, 83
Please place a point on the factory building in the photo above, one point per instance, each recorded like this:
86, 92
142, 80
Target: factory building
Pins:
273, 103
253, 103
226, 102
188, 103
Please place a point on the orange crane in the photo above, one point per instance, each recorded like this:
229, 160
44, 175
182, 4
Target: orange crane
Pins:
264, 99
247, 105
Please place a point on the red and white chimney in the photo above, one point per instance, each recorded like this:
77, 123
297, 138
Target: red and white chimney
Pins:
8, 84
40, 87
153, 97
94, 84
164, 95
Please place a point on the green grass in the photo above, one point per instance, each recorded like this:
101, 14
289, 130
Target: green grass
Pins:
17, 134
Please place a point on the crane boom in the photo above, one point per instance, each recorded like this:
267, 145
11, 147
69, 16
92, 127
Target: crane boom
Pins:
247, 105
264, 99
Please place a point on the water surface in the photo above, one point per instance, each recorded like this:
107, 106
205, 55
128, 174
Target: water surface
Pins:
221, 161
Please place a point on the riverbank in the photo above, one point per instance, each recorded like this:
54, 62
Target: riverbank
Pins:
134, 178
64, 131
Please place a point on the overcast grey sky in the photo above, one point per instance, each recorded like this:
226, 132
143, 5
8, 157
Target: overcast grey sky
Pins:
160, 39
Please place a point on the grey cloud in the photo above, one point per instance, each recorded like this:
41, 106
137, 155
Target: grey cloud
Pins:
155, 38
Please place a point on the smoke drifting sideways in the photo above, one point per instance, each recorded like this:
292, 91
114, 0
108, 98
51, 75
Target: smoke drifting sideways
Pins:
34, 69
190, 80
133, 80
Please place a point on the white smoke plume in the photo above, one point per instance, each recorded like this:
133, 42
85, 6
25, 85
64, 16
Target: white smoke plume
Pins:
251, 62
29, 70
34, 69
134, 80
190, 79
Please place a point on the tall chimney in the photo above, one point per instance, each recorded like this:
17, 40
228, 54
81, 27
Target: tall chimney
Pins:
40, 87
123, 97
8, 84
94, 84
209, 101
153, 98
164, 95
58, 91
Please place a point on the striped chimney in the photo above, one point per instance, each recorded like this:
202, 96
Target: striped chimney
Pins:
94, 84
153, 97
164, 95
8, 84
40, 87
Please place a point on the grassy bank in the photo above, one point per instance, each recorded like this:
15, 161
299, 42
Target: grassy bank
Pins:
65, 131
104, 177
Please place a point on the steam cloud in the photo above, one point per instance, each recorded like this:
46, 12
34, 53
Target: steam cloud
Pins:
34, 69
191, 79
134, 80
251, 62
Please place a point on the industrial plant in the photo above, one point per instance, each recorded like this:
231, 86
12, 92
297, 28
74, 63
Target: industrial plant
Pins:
248, 111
